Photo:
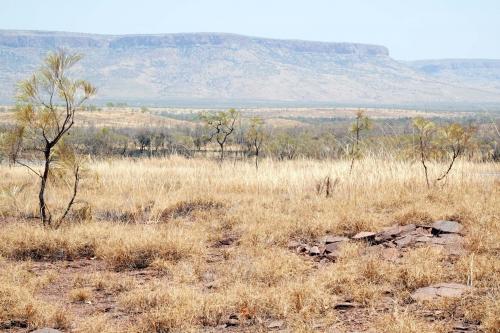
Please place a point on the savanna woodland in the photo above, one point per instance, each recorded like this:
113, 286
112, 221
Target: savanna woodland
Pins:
127, 219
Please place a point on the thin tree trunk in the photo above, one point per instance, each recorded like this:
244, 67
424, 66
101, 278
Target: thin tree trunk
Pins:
422, 159
256, 159
44, 217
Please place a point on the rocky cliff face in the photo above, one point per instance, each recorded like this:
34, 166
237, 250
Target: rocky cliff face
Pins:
216, 68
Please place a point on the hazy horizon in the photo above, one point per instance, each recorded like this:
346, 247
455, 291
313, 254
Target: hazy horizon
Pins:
410, 30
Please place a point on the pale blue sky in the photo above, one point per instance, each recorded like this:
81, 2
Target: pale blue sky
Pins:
411, 29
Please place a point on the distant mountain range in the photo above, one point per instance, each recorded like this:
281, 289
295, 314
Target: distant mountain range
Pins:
224, 69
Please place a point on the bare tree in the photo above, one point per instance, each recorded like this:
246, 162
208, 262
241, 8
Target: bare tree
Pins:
220, 126
47, 103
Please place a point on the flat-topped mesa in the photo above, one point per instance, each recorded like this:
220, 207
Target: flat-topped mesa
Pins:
30, 39
50, 40
230, 40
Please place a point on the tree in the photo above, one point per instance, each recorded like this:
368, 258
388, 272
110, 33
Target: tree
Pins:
426, 130
45, 113
362, 123
144, 140
455, 140
220, 126
256, 136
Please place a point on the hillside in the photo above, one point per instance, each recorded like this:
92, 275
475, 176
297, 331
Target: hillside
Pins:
207, 68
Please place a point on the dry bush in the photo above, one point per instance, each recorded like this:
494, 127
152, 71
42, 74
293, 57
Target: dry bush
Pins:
80, 295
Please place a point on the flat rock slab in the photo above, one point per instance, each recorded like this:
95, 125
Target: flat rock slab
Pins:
394, 231
334, 239
446, 227
364, 235
46, 330
405, 241
439, 290
276, 324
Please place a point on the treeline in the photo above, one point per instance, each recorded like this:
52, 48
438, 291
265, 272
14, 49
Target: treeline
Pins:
395, 138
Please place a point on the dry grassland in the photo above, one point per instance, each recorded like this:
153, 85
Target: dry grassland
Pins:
177, 245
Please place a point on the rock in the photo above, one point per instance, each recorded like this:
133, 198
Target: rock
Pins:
293, 244
276, 324
364, 235
46, 330
446, 227
233, 320
463, 327
439, 290
226, 241
13, 323
314, 251
446, 239
332, 247
423, 238
302, 248
346, 305
394, 232
405, 241
335, 239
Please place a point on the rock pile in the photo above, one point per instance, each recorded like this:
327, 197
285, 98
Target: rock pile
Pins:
441, 233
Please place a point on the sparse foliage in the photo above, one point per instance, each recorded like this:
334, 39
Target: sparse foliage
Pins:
47, 104
426, 130
256, 136
220, 126
362, 123
434, 141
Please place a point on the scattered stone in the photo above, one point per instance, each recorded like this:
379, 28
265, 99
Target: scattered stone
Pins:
314, 251
233, 320
446, 239
439, 290
335, 239
276, 324
365, 235
346, 305
226, 241
13, 323
462, 327
302, 248
405, 241
332, 248
423, 238
394, 232
446, 227
46, 330
390, 241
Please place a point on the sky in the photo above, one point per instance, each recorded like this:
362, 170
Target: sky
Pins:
411, 29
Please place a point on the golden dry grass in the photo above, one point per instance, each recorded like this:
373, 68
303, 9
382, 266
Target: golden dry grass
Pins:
211, 241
